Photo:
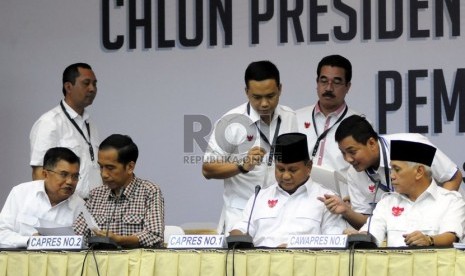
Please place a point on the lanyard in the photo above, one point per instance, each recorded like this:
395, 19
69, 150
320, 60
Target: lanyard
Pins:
387, 187
263, 136
91, 150
323, 135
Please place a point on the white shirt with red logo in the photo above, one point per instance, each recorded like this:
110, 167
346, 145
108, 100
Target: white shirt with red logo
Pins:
362, 189
277, 215
435, 211
328, 154
239, 188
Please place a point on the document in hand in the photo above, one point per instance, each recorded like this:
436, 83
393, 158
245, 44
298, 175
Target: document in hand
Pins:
330, 179
91, 223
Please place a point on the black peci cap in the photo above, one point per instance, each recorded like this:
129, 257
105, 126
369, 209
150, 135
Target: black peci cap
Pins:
412, 152
291, 148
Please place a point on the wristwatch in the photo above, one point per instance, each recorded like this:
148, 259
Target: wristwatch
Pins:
240, 166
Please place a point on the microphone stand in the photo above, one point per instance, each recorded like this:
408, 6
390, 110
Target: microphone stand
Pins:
98, 242
244, 241
365, 241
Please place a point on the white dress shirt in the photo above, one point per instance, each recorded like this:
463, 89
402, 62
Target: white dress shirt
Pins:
53, 129
277, 214
362, 190
434, 212
231, 144
328, 155
27, 206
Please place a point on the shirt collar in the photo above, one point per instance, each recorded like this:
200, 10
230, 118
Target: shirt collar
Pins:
256, 118
432, 190
335, 113
126, 191
302, 188
381, 154
73, 114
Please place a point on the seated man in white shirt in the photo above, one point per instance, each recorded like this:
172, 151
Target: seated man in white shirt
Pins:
291, 205
49, 201
419, 212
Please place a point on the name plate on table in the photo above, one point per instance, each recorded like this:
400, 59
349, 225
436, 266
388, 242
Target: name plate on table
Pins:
55, 242
195, 241
317, 241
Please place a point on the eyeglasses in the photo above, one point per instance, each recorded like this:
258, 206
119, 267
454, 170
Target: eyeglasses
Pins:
66, 175
335, 82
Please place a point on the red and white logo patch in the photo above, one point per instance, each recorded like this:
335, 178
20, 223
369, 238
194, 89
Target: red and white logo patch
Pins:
372, 188
272, 202
397, 211
307, 124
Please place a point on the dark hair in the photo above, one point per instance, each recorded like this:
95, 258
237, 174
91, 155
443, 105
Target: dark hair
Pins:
72, 72
337, 61
261, 70
54, 155
356, 126
127, 150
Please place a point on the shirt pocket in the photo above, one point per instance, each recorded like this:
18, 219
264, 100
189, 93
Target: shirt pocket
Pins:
307, 221
133, 219
28, 220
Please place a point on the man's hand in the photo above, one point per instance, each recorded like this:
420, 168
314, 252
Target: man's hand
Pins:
254, 158
416, 238
334, 204
103, 233
352, 231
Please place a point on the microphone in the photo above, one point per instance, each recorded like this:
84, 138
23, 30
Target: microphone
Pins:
106, 242
363, 241
244, 241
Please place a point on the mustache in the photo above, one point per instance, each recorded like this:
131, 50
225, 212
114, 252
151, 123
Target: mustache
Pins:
328, 94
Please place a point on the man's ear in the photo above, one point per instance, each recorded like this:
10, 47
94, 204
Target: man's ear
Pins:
372, 143
421, 171
130, 167
44, 173
67, 85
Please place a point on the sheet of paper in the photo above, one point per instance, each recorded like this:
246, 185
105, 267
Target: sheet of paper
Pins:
91, 223
328, 178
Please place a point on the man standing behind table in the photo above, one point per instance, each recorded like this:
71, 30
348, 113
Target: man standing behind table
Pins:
49, 200
419, 212
68, 125
291, 205
368, 177
241, 145
320, 121
130, 208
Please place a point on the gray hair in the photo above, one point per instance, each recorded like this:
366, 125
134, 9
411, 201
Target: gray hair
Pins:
429, 173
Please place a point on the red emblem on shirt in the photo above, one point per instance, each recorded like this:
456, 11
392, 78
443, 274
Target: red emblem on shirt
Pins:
272, 202
307, 124
249, 137
372, 188
397, 211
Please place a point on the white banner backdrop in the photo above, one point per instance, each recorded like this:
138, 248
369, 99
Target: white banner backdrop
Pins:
186, 60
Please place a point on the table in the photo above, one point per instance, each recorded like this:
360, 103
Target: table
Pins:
165, 262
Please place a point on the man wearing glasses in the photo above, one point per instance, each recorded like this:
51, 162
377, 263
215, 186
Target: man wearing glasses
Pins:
48, 201
319, 121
